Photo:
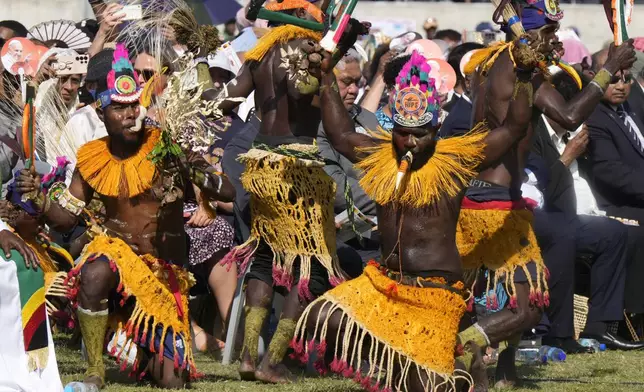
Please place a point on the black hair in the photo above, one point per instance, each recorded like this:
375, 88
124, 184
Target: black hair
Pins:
375, 60
450, 34
18, 28
231, 21
566, 85
392, 69
456, 55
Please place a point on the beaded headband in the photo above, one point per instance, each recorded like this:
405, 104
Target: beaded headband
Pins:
122, 80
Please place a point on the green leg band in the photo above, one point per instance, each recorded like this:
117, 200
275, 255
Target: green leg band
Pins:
93, 327
281, 339
255, 317
474, 334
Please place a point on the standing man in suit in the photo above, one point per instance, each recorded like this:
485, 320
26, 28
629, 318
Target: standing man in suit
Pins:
617, 152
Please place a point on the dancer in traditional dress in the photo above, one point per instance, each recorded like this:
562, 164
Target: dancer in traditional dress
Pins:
123, 269
402, 317
292, 235
495, 224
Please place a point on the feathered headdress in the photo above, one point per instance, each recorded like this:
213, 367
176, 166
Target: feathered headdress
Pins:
122, 80
415, 102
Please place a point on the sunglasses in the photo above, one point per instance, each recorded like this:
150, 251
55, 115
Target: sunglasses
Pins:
625, 78
147, 74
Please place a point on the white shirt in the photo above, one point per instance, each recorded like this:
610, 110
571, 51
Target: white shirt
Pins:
83, 126
529, 189
586, 203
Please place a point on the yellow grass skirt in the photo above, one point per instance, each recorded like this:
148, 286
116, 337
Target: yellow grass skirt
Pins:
160, 290
412, 328
292, 211
503, 241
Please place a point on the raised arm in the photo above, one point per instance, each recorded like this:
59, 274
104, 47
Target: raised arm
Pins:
338, 125
505, 84
573, 113
240, 87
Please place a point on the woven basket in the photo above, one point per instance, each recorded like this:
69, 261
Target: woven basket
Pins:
581, 313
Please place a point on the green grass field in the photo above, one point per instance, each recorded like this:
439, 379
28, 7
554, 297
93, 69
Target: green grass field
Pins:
611, 371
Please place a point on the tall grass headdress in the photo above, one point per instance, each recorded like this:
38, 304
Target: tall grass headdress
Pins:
415, 102
122, 81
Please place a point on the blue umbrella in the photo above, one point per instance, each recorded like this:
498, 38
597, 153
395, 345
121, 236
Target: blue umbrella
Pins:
214, 12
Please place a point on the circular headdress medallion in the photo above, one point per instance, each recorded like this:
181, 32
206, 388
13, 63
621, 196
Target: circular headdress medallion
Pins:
411, 108
125, 85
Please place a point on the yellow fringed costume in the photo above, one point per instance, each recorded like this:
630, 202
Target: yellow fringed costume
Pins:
160, 291
413, 328
499, 236
409, 329
447, 172
113, 177
292, 211
277, 36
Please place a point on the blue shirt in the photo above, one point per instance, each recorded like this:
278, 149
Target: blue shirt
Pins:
385, 121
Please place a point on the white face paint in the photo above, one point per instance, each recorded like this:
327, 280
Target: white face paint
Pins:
138, 125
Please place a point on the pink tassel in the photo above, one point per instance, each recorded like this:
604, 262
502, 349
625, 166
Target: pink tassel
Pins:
513, 302
470, 304
303, 290
336, 366
321, 348
546, 299
348, 372
319, 366
366, 383
336, 281
241, 255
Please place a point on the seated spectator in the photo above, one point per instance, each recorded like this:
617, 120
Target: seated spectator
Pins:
340, 168
636, 98
617, 152
566, 229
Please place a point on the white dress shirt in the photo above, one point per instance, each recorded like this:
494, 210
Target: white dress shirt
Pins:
586, 203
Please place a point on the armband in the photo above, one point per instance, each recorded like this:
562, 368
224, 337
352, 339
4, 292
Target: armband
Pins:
602, 79
61, 195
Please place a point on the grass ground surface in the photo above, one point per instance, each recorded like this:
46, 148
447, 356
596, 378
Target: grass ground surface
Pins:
610, 371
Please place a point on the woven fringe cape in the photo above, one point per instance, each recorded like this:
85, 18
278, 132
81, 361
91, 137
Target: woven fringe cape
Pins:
499, 236
277, 36
113, 177
54, 277
453, 164
292, 211
160, 290
412, 328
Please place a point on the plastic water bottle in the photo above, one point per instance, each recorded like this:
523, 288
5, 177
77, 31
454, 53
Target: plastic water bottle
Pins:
530, 356
553, 354
80, 387
592, 343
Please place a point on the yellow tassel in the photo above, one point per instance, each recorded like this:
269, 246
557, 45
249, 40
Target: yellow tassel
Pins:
447, 172
279, 35
486, 57
107, 175
145, 278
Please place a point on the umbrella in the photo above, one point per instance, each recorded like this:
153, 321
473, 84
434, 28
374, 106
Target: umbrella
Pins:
214, 12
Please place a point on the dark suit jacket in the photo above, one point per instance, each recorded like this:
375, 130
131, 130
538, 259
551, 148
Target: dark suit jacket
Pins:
617, 165
559, 191
458, 120
636, 100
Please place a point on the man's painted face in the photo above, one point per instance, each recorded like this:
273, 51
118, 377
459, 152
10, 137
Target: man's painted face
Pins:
545, 41
68, 86
121, 122
349, 80
619, 89
420, 141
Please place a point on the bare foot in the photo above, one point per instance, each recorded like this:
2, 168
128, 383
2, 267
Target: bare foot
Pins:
96, 380
274, 374
206, 343
247, 367
476, 368
506, 370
